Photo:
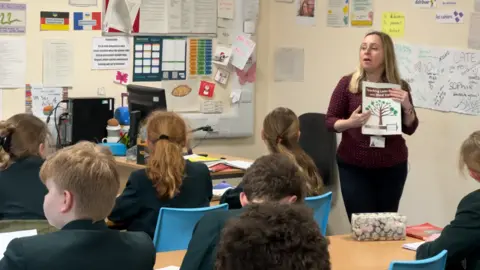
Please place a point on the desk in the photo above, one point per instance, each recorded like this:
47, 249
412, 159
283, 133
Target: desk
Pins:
231, 173
345, 254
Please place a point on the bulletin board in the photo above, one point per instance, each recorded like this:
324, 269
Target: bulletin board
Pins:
87, 79
154, 17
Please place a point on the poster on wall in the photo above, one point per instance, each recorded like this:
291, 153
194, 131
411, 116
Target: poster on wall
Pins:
361, 13
182, 96
200, 56
40, 101
13, 18
174, 58
54, 21
147, 57
110, 53
305, 10
338, 13
87, 21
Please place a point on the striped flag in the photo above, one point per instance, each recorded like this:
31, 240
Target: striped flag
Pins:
87, 21
54, 21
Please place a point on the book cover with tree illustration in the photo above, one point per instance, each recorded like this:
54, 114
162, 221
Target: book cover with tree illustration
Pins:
386, 114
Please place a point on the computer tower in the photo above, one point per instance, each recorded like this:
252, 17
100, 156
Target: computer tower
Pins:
87, 119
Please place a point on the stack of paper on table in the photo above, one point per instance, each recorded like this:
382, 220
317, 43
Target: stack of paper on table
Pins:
240, 164
6, 238
412, 246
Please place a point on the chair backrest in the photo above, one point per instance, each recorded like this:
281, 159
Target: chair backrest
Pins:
319, 143
175, 226
437, 262
321, 206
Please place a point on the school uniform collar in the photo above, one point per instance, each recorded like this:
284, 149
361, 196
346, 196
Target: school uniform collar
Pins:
85, 224
31, 159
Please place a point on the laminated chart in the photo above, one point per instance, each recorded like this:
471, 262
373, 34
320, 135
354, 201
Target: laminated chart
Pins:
200, 57
174, 58
147, 57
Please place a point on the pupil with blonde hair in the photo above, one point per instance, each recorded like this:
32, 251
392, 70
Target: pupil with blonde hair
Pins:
281, 132
372, 170
82, 182
461, 237
23, 141
168, 180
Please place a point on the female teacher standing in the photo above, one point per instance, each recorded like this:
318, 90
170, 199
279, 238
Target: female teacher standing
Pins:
371, 177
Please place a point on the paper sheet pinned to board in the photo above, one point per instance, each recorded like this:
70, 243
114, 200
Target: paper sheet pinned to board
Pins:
121, 14
236, 95
182, 95
58, 63
474, 33
82, 3
13, 62
289, 65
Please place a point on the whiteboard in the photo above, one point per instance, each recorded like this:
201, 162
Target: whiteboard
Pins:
441, 79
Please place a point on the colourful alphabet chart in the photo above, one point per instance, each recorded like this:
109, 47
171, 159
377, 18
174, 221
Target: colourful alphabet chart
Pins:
147, 59
200, 57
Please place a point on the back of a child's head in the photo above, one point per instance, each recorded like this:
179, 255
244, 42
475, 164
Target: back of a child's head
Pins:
22, 135
470, 155
272, 178
167, 136
89, 172
281, 131
273, 236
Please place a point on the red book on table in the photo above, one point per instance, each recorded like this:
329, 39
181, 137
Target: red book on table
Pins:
423, 231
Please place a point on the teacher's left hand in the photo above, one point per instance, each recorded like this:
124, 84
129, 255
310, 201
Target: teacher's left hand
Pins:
401, 96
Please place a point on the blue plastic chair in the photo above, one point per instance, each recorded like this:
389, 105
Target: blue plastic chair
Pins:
437, 262
175, 226
321, 209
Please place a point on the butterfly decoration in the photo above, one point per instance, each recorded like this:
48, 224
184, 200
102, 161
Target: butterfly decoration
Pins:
121, 78
248, 76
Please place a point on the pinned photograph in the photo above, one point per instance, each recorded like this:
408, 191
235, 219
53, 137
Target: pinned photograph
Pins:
222, 55
206, 89
222, 76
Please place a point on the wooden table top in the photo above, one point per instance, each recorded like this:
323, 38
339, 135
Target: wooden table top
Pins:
122, 161
345, 254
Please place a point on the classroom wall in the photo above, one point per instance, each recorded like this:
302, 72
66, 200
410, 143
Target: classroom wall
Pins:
434, 186
87, 81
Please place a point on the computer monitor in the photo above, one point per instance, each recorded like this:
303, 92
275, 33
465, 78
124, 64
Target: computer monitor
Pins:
142, 100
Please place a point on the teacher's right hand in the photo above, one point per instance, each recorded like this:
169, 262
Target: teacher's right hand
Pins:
358, 119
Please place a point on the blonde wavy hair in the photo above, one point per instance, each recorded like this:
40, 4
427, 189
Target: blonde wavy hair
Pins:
391, 73
167, 135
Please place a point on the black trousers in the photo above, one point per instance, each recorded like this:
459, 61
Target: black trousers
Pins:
371, 190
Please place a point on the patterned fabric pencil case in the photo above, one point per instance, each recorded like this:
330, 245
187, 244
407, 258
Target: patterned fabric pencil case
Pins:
379, 226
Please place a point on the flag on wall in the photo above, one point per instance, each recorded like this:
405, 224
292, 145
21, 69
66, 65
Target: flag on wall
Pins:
87, 21
54, 21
